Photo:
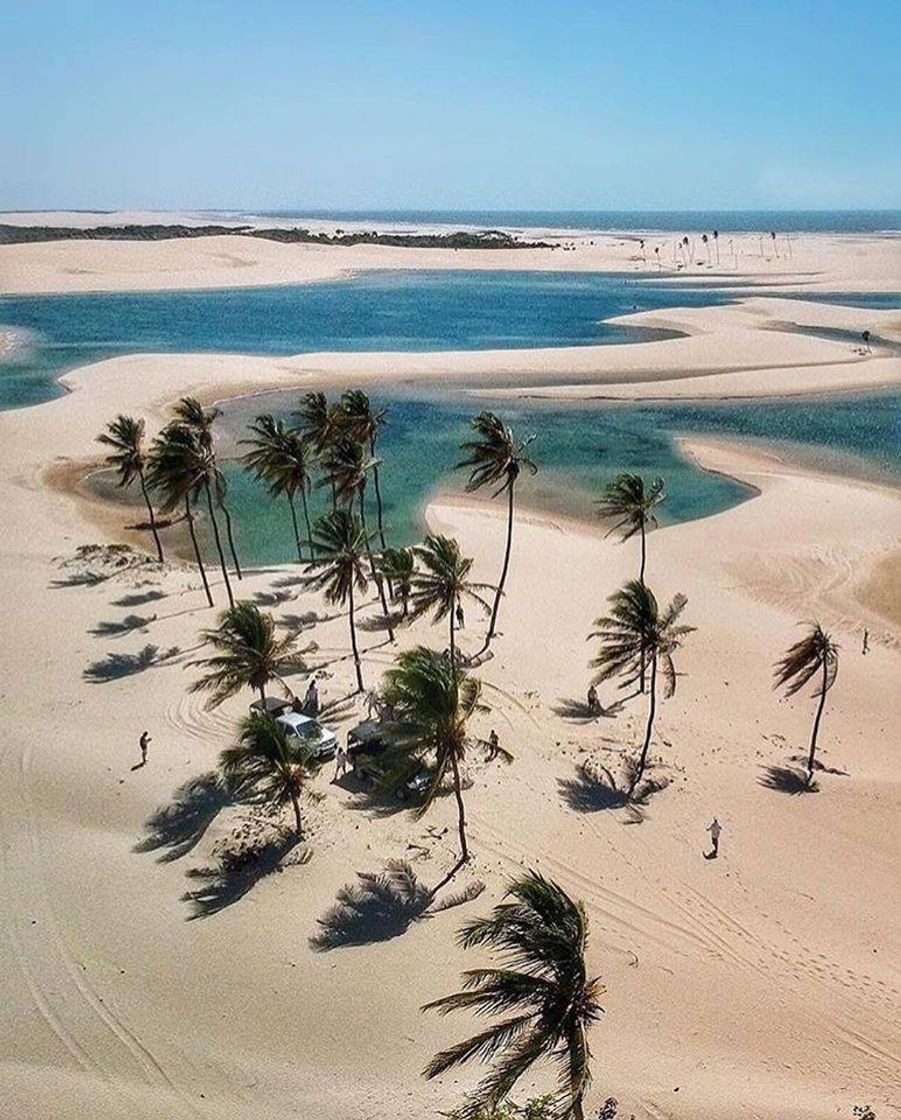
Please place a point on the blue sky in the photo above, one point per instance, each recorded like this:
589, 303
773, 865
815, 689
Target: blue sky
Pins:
565, 105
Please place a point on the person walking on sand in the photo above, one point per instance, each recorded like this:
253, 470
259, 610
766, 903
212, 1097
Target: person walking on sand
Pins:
594, 704
144, 743
460, 616
311, 700
715, 829
341, 759
866, 341
494, 745
866, 643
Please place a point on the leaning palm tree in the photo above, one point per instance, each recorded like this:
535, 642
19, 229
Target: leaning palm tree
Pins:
341, 549
358, 419
634, 634
248, 654
316, 421
397, 566
497, 458
280, 458
347, 465
178, 468
125, 436
191, 414
442, 582
432, 700
542, 989
815, 653
266, 763
630, 504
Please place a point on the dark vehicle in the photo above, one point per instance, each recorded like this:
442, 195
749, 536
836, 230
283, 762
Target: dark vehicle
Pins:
367, 748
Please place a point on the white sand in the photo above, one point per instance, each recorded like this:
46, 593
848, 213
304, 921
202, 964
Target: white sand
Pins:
762, 985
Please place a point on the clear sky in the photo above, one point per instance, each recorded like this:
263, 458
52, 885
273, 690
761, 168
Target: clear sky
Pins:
572, 104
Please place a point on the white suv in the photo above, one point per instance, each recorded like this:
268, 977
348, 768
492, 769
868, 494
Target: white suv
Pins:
321, 743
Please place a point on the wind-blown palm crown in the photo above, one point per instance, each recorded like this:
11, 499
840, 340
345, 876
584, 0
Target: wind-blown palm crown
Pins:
191, 413
542, 989
346, 464
249, 654
316, 421
432, 700
280, 458
630, 504
442, 581
266, 763
341, 547
125, 436
636, 633
496, 458
815, 653
363, 423
398, 566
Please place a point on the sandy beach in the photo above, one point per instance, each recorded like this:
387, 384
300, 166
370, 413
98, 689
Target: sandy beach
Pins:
762, 985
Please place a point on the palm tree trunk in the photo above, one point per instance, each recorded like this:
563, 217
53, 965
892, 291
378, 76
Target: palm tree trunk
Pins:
297, 821
296, 530
641, 681
156, 536
816, 726
190, 519
231, 539
461, 811
453, 651
218, 540
503, 579
652, 708
306, 517
376, 575
378, 497
578, 1070
353, 637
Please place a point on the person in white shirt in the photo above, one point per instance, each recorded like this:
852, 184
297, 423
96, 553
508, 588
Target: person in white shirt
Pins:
715, 829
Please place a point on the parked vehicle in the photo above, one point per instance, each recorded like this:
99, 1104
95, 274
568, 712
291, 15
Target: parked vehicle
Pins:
367, 745
321, 743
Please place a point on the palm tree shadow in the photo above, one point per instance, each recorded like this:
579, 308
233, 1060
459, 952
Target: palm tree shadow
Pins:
114, 666
339, 709
592, 792
578, 711
237, 872
180, 826
79, 579
382, 905
785, 779
127, 625
139, 599
272, 598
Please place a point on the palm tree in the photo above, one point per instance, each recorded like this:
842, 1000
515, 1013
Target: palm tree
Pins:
706, 245
347, 464
716, 242
815, 653
265, 762
497, 459
443, 582
249, 654
316, 421
341, 546
542, 990
177, 468
190, 413
634, 633
280, 458
125, 436
398, 566
363, 425
432, 699
632, 504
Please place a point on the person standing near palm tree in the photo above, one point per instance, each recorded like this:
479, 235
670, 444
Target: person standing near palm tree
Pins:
248, 655
280, 458
125, 436
496, 458
815, 655
442, 582
341, 547
543, 990
634, 634
432, 700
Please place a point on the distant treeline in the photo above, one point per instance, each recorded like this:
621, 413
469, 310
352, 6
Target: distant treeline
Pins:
481, 239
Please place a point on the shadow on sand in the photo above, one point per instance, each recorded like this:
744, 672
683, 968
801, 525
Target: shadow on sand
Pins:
139, 598
128, 625
117, 665
785, 779
578, 711
237, 873
180, 826
594, 790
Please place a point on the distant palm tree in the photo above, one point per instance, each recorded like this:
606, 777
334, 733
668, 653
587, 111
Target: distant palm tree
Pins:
706, 245
442, 582
190, 413
635, 633
814, 653
265, 762
631, 503
542, 989
280, 458
432, 699
178, 468
341, 546
363, 424
249, 654
657, 255
125, 436
775, 243
716, 242
398, 566
687, 247
347, 465
496, 458
316, 421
